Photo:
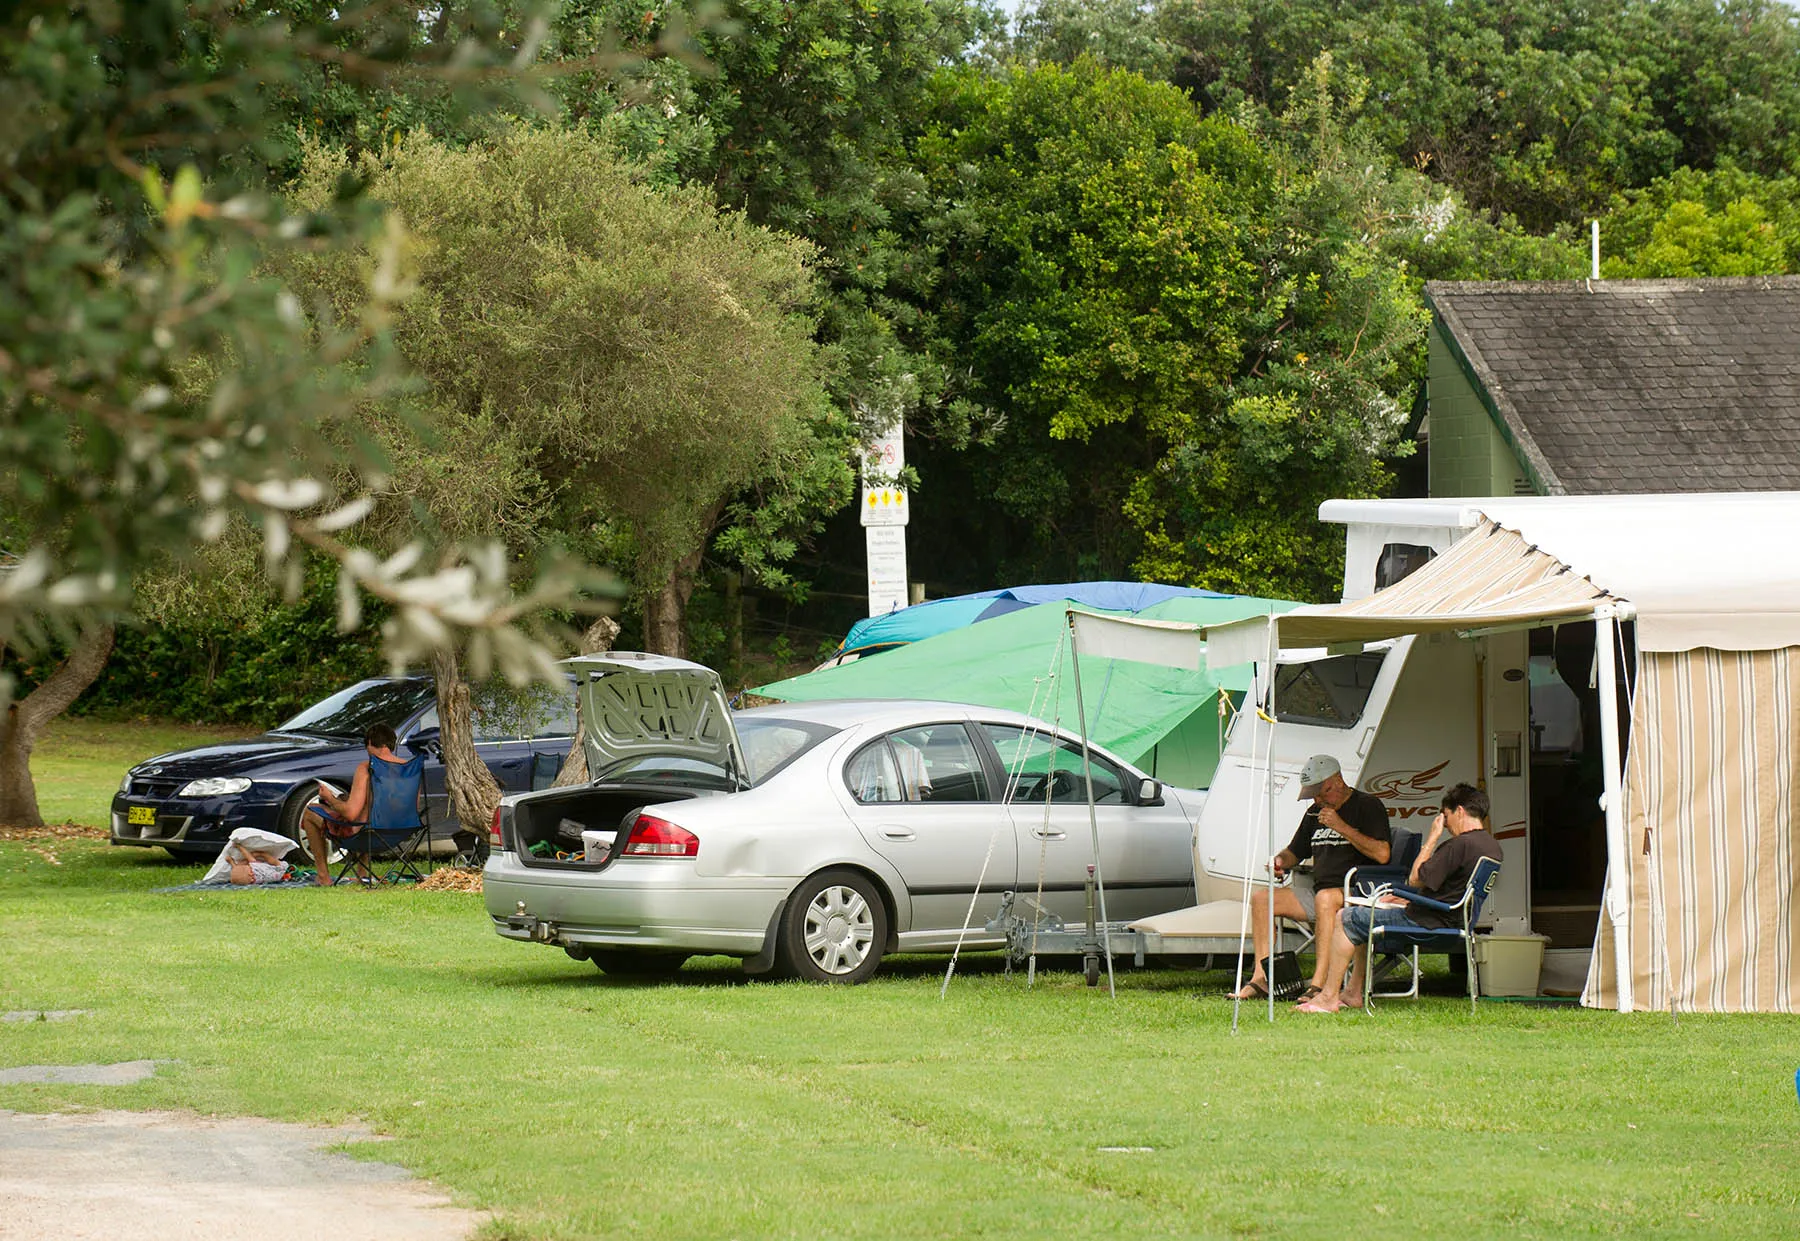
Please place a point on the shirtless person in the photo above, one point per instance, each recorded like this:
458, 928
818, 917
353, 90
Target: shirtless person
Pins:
1342, 829
342, 817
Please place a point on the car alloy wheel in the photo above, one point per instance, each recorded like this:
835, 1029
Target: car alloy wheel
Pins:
835, 928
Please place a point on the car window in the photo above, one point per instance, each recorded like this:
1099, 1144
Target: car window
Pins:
1038, 765
771, 744
939, 763
352, 712
872, 776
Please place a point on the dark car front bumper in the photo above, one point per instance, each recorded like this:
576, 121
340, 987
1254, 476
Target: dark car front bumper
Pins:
188, 825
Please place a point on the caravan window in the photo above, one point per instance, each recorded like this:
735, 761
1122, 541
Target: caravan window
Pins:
1400, 560
1327, 693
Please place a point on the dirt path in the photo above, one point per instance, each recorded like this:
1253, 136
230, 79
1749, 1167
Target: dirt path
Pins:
159, 1175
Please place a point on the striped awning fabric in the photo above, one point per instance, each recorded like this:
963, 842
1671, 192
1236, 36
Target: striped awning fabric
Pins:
1489, 578
1710, 820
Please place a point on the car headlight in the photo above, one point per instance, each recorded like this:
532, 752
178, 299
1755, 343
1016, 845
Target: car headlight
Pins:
213, 786
125, 784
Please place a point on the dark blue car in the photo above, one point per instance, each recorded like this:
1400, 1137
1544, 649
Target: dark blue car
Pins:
189, 802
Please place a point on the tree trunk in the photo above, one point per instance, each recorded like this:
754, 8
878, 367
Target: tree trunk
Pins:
24, 722
474, 794
599, 637
665, 612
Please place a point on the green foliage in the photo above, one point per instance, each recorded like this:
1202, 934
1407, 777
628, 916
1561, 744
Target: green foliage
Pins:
212, 667
1535, 108
1189, 331
1726, 222
156, 382
801, 120
628, 355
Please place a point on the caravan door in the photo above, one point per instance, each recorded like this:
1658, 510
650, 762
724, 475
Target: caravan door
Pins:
1327, 704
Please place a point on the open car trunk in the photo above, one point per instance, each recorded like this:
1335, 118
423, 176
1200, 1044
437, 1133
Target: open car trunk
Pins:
546, 828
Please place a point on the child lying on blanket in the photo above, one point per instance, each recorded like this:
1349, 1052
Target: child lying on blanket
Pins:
257, 866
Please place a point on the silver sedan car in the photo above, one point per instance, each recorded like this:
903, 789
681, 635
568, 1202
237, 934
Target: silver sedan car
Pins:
816, 838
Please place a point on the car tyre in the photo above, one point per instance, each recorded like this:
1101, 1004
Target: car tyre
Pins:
629, 964
834, 928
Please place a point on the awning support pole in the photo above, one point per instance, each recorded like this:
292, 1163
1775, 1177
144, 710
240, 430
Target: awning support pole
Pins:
1087, 771
1618, 849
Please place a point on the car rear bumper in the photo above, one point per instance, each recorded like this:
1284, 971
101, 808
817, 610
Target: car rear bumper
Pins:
647, 903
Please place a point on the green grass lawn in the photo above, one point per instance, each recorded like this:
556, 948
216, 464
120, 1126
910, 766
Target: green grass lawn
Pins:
576, 1106
79, 761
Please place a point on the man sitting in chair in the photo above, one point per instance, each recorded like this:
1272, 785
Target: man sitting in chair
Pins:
343, 817
1343, 828
1457, 841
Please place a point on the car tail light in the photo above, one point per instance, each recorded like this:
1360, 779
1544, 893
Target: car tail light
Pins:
494, 828
654, 837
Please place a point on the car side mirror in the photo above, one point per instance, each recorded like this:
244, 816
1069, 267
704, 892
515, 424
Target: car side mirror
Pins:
1150, 793
425, 742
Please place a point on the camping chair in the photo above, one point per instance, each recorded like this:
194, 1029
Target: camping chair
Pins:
1445, 939
1366, 881
399, 821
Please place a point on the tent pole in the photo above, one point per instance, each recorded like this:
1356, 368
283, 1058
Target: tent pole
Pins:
1087, 771
1269, 828
1618, 887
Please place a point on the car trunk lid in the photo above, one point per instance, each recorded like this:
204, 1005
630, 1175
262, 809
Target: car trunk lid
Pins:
638, 705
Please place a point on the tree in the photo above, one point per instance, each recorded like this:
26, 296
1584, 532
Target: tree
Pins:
640, 358
1187, 329
1725, 222
155, 384
1534, 108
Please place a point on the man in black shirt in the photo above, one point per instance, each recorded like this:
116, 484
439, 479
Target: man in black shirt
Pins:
1458, 840
1343, 828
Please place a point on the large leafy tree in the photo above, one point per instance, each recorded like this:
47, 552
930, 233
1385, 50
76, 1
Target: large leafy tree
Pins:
1186, 330
604, 360
1539, 108
1726, 222
156, 384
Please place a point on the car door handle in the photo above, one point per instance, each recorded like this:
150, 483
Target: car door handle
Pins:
898, 833
1046, 834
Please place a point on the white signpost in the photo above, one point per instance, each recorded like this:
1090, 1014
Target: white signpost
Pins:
884, 514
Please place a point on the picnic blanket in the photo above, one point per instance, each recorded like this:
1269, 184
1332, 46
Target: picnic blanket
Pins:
301, 879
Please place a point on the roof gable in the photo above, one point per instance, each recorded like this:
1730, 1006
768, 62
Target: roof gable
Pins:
1637, 385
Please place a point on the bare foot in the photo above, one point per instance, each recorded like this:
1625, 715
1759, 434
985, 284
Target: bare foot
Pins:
1319, 1005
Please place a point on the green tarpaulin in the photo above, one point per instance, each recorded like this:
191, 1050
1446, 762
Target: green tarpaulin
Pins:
1165, 720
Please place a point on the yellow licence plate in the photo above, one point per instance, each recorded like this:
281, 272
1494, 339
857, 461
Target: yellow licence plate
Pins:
141, 816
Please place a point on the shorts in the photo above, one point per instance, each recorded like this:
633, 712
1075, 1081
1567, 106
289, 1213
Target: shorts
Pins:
1357, 920
1302, 888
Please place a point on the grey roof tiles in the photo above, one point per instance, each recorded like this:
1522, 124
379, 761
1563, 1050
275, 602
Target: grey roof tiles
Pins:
1639, 385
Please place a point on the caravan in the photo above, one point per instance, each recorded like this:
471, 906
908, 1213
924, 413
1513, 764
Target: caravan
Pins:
1618, 673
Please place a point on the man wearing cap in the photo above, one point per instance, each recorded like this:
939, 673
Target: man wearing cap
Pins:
1343, 828
1459, 840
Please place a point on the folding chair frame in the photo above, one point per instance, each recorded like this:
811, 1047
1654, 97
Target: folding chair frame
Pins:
1481, 882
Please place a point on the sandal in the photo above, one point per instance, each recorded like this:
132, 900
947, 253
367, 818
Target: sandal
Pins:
1307, 994
1252, 990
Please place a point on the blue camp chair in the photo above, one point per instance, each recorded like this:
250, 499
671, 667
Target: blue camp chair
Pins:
1449, 939
399, 821
1370, 879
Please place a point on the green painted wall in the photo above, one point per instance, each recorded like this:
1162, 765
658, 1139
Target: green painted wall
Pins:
1468, 455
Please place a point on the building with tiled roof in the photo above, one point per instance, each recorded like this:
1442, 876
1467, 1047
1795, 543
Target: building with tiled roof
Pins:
1607, 386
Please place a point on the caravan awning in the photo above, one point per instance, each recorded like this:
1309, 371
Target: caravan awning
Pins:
1491, 578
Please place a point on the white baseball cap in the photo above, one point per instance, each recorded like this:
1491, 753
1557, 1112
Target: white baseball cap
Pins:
1318, 769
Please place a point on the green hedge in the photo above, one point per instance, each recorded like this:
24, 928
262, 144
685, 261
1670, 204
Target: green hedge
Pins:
205, 671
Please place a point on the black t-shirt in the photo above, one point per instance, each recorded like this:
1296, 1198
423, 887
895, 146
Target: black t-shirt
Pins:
1445, 874
1332, 855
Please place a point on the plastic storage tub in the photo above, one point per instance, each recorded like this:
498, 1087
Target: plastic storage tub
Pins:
1509, 964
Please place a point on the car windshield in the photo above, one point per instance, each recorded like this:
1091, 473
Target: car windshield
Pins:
354, 711
769, 745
